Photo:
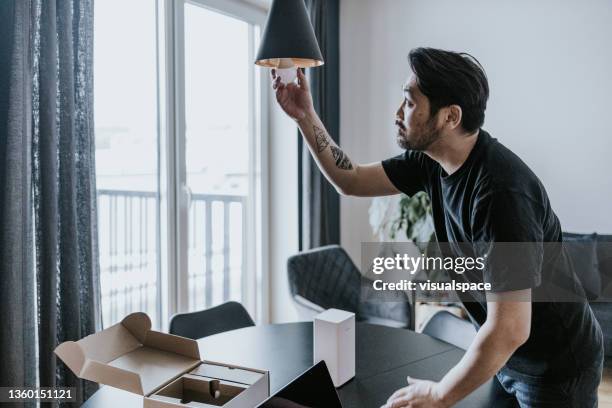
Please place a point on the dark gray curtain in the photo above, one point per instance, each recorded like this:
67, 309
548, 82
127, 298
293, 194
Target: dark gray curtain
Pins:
17, 284
49, 273
319, 201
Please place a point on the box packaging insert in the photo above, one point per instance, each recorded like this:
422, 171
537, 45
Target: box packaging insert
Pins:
165, 369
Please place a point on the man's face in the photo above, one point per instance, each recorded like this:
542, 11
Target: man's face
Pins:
416, 128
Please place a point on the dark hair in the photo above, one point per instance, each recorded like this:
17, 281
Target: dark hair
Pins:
451, 78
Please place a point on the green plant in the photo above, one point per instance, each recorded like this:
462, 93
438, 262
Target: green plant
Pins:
414, 219
392, 216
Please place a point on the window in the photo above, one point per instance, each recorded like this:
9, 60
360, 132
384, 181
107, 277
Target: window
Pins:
178, 146
125, 111
217, 140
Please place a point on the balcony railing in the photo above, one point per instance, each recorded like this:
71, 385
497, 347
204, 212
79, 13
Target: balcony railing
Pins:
217, 248
128, 237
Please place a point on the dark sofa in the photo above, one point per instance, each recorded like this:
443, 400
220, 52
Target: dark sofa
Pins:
595, 250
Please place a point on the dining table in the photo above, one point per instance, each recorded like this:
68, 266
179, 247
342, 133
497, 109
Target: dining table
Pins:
385, 357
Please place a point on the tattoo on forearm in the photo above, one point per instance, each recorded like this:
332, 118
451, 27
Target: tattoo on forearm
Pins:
342, 160
321, 138
322, 141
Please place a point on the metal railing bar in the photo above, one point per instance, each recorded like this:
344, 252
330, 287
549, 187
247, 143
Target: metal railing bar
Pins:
243, 275
217, 197
127, 193
226, 251
208, 255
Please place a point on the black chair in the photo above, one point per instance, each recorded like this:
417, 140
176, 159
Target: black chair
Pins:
225, 317
326, 277
447, 327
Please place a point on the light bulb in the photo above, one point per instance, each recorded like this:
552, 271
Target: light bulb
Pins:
286, 70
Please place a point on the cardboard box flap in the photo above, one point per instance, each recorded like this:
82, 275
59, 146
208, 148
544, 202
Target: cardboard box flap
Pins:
173, 344
114, 377
130, 356
155, 367
139, 324
73, 356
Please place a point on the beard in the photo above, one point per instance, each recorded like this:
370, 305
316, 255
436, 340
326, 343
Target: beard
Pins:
419, 139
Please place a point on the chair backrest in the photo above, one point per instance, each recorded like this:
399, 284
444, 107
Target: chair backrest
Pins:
225, 317
447, 327
325, 276
582, 251
328, 278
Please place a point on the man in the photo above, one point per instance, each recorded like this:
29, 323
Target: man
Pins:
547, 354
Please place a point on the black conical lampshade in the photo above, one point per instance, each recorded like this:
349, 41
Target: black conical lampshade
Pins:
289, 37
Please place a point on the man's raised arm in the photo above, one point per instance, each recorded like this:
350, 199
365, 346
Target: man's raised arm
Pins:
347, 177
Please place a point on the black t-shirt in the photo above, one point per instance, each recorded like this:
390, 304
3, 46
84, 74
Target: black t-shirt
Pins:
495, 197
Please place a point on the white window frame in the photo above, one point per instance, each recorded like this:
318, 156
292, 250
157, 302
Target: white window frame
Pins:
173, 191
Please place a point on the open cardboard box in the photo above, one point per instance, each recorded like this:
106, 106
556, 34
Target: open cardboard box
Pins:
165, 369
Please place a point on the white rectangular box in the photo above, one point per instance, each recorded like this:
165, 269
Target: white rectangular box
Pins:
165, 369
334, 342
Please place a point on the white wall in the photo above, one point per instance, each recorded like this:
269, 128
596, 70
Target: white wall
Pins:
549, 64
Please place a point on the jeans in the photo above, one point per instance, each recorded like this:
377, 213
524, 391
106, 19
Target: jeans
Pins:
577, 392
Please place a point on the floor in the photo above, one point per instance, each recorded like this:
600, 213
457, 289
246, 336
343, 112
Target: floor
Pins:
605, 389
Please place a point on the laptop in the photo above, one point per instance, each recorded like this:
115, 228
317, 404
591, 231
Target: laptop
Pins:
313, 389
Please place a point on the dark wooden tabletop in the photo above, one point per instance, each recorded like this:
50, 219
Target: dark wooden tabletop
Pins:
385, 356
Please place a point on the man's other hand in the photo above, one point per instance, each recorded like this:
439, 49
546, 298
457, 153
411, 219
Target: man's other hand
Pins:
418, 394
